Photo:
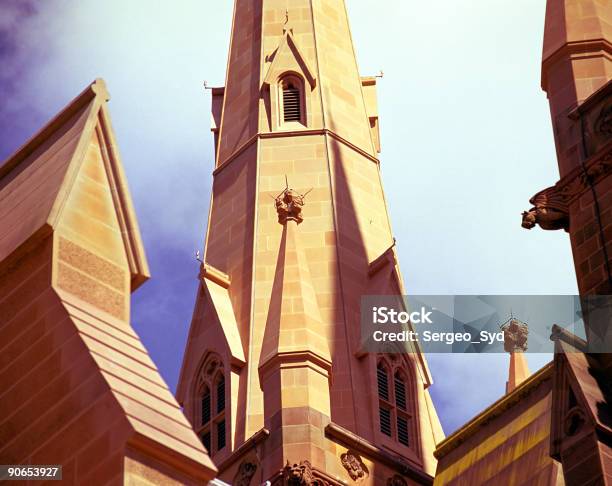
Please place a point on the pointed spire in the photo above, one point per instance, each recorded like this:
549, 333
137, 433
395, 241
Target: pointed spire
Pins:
515, 343
294, 319
519, 371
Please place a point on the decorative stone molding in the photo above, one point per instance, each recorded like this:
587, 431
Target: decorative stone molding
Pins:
380, 262
573, 421
549, 211
574, 184
245, 473
214, 275
377, 454
354, 465
213, 363
396, 480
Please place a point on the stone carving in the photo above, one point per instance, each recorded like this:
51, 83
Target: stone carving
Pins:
396, 480
549, 211
298, 474
515, 336
245, 473
289, 206
573, 422
354, 465
603, 124
572, 186
212, 366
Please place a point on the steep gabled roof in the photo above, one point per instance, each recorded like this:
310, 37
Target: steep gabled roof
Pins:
585, 377
36, 180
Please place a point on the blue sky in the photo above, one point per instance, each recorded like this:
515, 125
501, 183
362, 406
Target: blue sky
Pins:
466, 140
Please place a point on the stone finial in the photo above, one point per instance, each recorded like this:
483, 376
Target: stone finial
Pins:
287, 25
289, 206
515, 336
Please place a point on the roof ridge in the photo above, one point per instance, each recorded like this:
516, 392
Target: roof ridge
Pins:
95, 89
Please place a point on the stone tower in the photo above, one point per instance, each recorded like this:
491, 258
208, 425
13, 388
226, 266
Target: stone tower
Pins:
577, 77
273, 378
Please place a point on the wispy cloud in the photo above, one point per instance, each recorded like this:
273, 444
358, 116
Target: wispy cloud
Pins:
465, 130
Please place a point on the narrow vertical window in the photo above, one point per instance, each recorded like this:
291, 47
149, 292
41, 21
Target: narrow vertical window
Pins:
292, 101
221, 395
385, 420
400, 392
402, 430
292, 104
383, 382
210, 419
205, 407
206, 441
221, 435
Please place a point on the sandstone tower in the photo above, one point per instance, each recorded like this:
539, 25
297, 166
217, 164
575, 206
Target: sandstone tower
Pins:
273, 379
577, 77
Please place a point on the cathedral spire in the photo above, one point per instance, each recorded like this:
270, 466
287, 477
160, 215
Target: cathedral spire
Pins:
294, 108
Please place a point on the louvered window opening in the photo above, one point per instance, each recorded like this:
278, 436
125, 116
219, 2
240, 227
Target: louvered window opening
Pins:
402, 431
385, 421
221, 395
292, 106
206, 407
206, 441
400, 392
383, 383
221, 435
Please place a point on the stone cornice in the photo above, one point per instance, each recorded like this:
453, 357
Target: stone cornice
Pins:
168, 456
294, 358
215, 275
257, 438
292, 133
600, 95
573, 48
365, 447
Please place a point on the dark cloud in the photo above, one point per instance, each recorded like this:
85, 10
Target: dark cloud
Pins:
23, 45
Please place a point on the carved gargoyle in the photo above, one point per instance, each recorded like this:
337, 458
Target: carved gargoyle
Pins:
549, 211
298, 474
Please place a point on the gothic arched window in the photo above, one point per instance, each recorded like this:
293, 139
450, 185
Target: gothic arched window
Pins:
394, 403
292, 99
211, 399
